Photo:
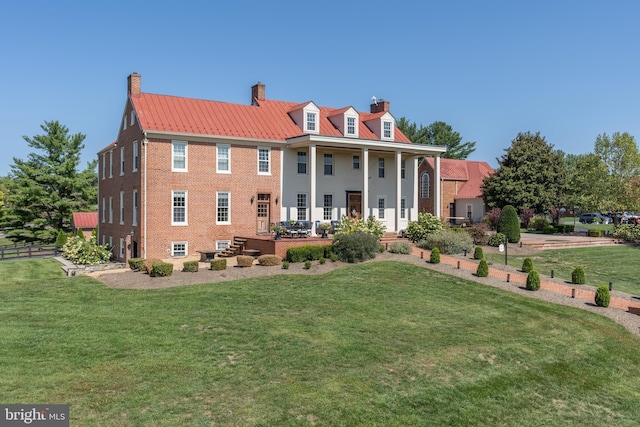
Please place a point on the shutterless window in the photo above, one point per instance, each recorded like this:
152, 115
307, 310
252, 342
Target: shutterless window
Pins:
133, 117
179, 157
381, 167
222, 207
302, 207
135, 208
122, 207
224, 158
121, 161
179, 214
403, 208
136, 156
110, 210
264, 162
104, 165
387, 129
328, 207
356, 162
302, 162
121, 248
351, 125
328, 164
402, 169
111, 164
381, 208
104, 210
221, 245
424, 185
124, 122
179, 249
311, 121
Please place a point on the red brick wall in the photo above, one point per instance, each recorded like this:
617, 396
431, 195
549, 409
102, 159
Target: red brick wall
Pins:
448, 191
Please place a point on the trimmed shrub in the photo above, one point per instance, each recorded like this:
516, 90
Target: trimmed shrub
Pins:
595, 233
425, 225
269, 260
322, 261
527, 265
509, 224
483, 269
79, 233
161, 269
496, 239
538, 223
478, 233
308, 252
448, 241
136, 263
219, 264
147, 264
564, 228
334, 257
381, 249
603, 296
533, 281
190, 266
307, 265
549, 229
285, 265
244, 260
626, 232
435, 256
355, 247
403, 248
61, 239
478, 253
577, 276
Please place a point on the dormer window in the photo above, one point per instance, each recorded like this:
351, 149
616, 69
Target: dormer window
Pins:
311, 122
351, 125
386, 130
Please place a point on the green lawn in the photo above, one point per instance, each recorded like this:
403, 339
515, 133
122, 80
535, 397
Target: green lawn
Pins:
377, 344
602, 264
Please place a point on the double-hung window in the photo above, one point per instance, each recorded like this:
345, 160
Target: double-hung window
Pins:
381, 203
403, 169
178, 249
111, 164
223, 155
302, 162
104, 210
403, 208
311, 121
386, 132
134, 220
356, 162
302, 207
381, 167
121, 161
136, 156
264, 161
104, 165
328, 164
351, 125
121, 207
179, 207
223, 207
110, 210
327, 212
179, 156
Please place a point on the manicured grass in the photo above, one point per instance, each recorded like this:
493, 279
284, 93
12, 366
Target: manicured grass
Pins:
378, 344
602, 264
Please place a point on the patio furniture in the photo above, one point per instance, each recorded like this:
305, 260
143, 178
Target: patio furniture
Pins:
206, 255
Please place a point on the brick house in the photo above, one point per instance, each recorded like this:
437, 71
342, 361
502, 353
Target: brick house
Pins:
461, 194
188, 174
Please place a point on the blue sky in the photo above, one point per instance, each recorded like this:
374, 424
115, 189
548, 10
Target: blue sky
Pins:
491, 69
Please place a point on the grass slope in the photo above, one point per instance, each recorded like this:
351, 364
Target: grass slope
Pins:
378, 344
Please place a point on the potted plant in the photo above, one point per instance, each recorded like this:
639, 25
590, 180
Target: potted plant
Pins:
278, 230
325, 227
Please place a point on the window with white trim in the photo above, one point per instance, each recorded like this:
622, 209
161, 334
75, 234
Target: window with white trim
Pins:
178, 249
311, 121
121, 161
110, 210
179, 207
179, 156
356, 162
104, 240
124, 122
328, 164
111, 164
301, 204
403, 169
302, 162
386, 129
403, 208
134, 212
327, 209
381, 203
381, 167
110, 242
425, 185
223, 156
133, 118
351, 125
104, 210
104, 165
223, 207
121, 248
136, 156
221, 245
264, 161
121, 207
469, 212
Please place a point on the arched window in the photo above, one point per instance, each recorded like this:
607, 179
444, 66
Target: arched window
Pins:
425, 185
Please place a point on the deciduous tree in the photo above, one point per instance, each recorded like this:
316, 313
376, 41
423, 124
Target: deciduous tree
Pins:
437, 133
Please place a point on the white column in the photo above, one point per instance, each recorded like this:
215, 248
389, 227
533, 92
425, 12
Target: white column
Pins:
436, 186
413, 212
365, 183
311, 203
398, 188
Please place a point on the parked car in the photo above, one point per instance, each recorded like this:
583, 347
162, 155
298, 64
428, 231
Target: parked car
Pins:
588, 218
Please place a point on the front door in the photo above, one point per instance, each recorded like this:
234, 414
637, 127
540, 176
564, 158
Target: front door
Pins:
263, 213
354, 204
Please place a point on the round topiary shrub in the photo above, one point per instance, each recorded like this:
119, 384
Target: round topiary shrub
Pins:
496, 240
285, 265
577, 276
355, 247
509, 224
269, 260
322, 261
483, 269
603, 296
244, 260
533, 281
435, 256
527, 265
307, 265
478, 254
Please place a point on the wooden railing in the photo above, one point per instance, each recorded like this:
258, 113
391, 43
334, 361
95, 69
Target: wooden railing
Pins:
18, 251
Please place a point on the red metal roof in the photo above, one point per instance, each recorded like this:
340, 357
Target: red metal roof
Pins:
469, 171
267, 121
85, 219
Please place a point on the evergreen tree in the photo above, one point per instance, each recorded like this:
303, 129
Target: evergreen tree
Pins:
437, 133
47, 187
509, 224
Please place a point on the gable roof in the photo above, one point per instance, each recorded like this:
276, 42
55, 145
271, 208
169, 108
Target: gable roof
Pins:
470, 172
268, 120
84, 219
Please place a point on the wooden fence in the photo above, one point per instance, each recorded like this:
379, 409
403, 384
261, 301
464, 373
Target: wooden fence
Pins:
18, 251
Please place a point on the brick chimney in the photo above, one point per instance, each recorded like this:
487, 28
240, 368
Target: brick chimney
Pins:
257, 93
133, 84
380, 106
